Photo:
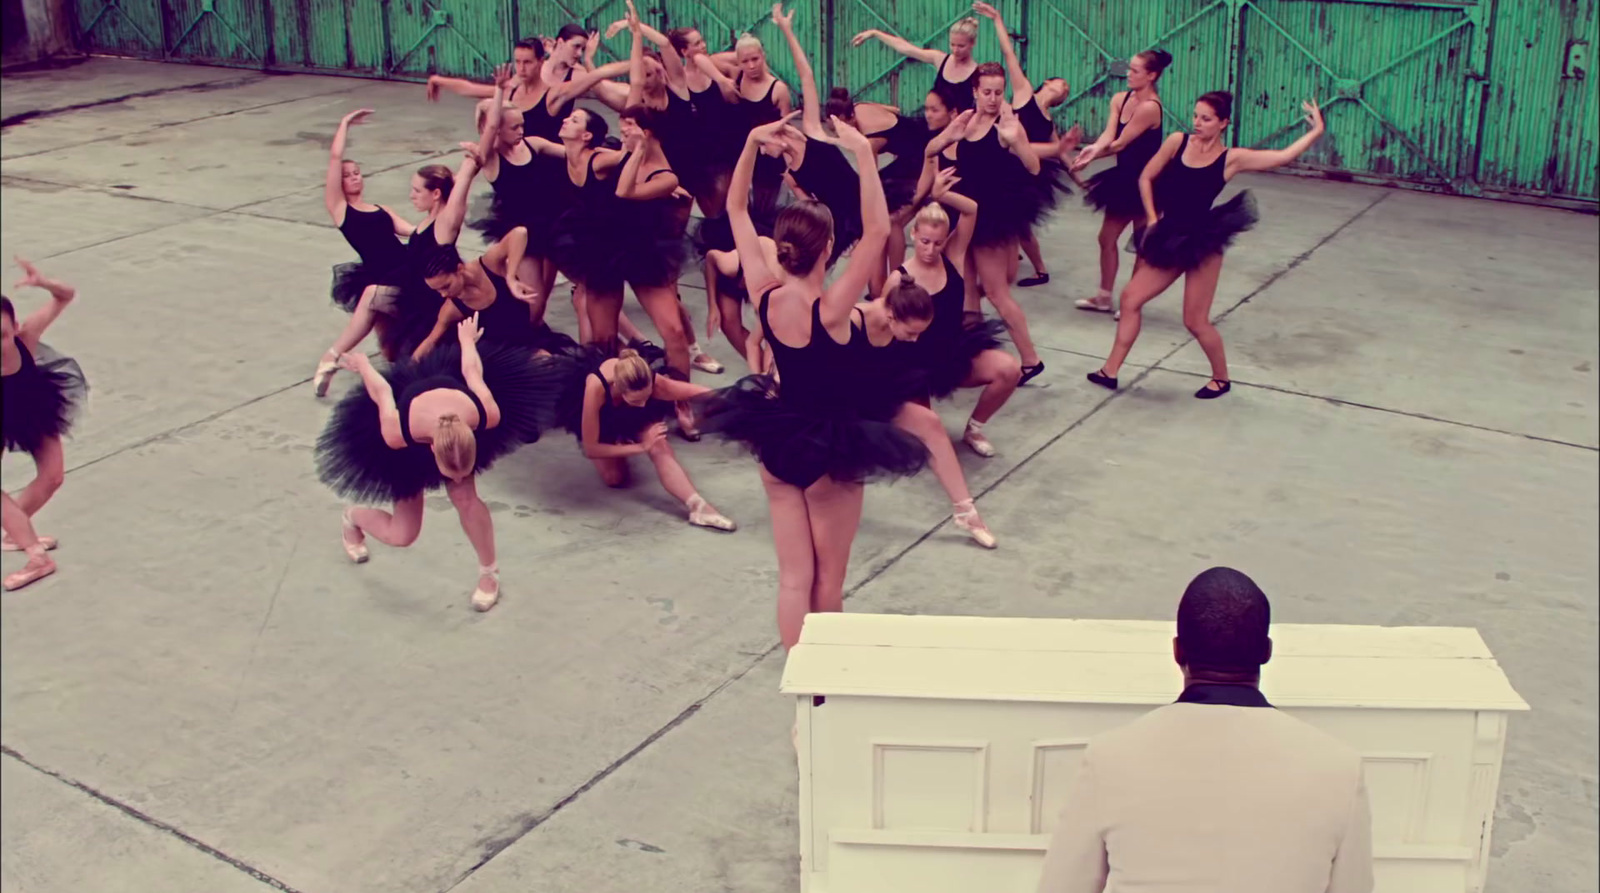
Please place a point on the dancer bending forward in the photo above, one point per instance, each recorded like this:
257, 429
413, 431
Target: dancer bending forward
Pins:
437, 422
43, 391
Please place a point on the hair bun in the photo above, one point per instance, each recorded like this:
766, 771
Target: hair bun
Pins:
626, 352
448, 419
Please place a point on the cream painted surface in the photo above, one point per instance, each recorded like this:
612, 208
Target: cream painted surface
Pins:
947, 746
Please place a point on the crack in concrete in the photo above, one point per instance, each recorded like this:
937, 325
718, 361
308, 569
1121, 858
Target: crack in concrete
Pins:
204, 87
155, 823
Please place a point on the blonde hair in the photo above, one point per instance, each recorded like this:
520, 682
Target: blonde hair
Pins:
454, 446
633, 373
748, 41
932, 214
481, 116
967, 27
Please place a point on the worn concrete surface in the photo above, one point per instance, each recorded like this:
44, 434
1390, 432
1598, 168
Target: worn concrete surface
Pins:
209, 695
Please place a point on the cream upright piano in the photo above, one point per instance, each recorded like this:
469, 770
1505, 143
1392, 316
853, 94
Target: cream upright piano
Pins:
936, 752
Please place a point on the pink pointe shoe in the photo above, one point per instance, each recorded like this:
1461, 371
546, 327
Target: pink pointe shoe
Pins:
483, 599
38, 567
8, 545
323, 377
357, 550
966, 517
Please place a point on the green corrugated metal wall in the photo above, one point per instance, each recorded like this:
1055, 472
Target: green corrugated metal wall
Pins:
1490, 97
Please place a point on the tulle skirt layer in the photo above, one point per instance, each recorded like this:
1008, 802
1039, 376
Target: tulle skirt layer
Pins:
1183, 243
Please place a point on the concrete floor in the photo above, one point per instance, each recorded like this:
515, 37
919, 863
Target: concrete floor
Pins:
209, 699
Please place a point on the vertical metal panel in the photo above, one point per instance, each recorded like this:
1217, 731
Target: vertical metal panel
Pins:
120, 27
327, 35
1079, 39
1539, 122
876, 73
221, 32
1392, 79
461, 38
1574, 156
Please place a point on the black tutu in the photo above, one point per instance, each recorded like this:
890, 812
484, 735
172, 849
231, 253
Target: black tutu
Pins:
945, 364
657, 244
1011, 203
352, 279
618, 424
354, 460
42, 398
800, 448
1115, 193
408, 318
495, 217
717, 232
1183, 243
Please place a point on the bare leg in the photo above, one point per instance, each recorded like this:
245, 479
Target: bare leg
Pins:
797, 557
398, 529
733, 321
604, 311
1110, 255
676, 481
614, 472
663, 305
630, 333
362, 320
479, 527
834, 512
997, 372
1199, 289
50, 464
1146, 284
1030, 247
969, 275
929, 428
992, 263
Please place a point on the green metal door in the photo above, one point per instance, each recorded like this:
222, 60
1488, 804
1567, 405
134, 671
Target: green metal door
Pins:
1079, 39
1398, 82
875, 73
222, 32
465, 38
120, 28
1539, 134
328, 35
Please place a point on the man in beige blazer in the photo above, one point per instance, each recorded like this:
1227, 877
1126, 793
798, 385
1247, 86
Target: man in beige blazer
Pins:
1219, 792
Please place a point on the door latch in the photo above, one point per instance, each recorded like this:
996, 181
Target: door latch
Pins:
1577, 60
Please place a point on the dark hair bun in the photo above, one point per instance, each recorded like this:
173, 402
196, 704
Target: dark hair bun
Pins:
1221, 102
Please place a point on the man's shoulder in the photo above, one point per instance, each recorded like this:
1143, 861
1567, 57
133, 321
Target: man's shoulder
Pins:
1171, 724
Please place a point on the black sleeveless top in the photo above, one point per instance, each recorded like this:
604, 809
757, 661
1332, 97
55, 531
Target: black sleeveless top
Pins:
371, 234
518, 184
1144, 146
815, 377
1187, 192
506, 320
539, 120
421, 247
830, 178
28, 365
948, 305
753, 113
679, 140
957, 95
1036, 122
432, 383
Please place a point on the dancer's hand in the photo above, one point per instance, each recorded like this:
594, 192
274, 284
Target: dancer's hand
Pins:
1009, 128
987, 11
1085, 157
633, 17
353, 361
632, 141
768, 131
31, 277
472, 152
1313, 115
433, 88
652, 435
467, 330
943, 182
504, 75
356, 117
682, 194
848, 137
956, 130
783, 20
863, 37
615, 28
521, 290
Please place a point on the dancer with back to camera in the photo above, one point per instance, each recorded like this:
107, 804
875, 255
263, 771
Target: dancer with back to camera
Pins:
1186, 235
812, 433
1133, 135
43, 392
418, 426
955, 69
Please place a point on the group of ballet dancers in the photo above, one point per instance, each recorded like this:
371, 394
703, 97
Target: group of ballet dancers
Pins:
864, 237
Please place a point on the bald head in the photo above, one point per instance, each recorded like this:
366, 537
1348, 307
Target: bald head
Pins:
1222, 624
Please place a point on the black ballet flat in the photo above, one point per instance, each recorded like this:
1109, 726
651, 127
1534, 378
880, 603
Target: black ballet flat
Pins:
1208, 393
1029, 373
691, 436
1031, 281
1100, 378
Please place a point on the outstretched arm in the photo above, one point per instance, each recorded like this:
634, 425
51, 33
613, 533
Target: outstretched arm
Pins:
1021, 87
448, 225
448, 316
1267, 159
61, 294
900, 45
810, 102
725, 84
589, 80
472, 369
333, 184
458, 86
677, 80
635, 58
594, 396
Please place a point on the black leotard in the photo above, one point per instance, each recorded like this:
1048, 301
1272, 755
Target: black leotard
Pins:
829, 177
957, 95
1184, 192
622, 423
1036, 122
1144, 147
433, 383
539, 120
505, 320
371, 234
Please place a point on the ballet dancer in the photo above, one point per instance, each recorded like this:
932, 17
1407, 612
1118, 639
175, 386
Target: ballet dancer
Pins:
1133, 134
1185, 235
616, 407
953, 80
998, 170
482, 289
384, 292
813, 439
725, 300
953, 353
418, 426
43, 391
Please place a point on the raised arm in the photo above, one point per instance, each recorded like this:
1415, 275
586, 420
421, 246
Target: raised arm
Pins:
867, 257
1266, 159
757, 274
448, 224
61, 294
677, 81
1021, 87
458, 86
1152, 170
402, 226
333, 184
900, 45
589, 80
472, 369
489, 136
507, 255
380, 393
965, 206
635, 58
1144, 117
810, 102
725, 84
1013, 137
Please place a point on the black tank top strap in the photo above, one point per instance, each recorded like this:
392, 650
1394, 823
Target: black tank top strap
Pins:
28, 363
